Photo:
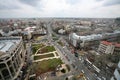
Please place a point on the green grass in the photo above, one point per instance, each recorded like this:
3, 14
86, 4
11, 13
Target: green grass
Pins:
35, 47
47, 49
43, 56
46, 65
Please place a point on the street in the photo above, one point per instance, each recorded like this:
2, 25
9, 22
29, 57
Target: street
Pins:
69, 59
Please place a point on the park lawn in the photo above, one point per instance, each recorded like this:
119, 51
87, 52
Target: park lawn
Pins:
43, 56
47, 49
35, 47
53, 35
46, 65
55, 38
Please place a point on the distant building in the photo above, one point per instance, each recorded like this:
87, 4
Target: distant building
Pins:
87, 23
12, 55
116, 75
84, 41
35, 31
109, 47
61, 31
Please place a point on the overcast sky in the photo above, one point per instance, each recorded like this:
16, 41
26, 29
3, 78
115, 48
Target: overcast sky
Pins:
59, 8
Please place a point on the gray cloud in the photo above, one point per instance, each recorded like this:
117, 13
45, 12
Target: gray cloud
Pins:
111, 2
6, 5
30, 2
99, 0
73, 1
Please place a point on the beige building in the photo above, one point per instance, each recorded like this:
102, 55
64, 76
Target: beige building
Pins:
12, 56
108, 47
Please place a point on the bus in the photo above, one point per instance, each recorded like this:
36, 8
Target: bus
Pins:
92, 66
88, 62
96, 69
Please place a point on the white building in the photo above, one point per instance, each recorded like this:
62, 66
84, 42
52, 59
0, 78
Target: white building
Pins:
61, 31
73, 37
12, 56
85, 40
116, 75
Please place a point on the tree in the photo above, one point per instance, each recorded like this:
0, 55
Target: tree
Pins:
63, 70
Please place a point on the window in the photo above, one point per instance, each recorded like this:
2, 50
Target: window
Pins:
8, 63
21, 55
12, 72
0, 77
2, 65
5, 73
1, 60
13, 59
15, 66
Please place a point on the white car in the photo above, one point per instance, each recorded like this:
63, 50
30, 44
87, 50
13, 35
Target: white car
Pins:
80, 58
99, 78
83, 71
88, 78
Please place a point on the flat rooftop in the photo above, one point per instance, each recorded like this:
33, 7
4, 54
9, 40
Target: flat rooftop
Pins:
7, 44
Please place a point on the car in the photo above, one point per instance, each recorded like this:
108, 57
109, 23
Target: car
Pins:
82, 71
99, 78
67, 58
95, 75
79, 58
53, 73
103, 78
88, 78
76, 67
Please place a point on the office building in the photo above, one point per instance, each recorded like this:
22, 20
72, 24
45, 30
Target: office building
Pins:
12, 54
116, 74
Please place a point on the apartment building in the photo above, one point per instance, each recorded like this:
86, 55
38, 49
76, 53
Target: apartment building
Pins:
109, 47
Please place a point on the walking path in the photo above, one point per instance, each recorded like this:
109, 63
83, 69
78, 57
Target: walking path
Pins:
55, 53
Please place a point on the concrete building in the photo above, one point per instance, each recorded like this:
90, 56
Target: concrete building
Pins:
73, 38
87, 23
109, 47
12, 55
116, 75
89, 39
61, 31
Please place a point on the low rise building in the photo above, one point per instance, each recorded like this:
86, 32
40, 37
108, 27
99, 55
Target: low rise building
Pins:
12, 55
61, 31
109, 47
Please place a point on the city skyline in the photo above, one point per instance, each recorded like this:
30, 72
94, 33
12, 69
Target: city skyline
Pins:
59, 8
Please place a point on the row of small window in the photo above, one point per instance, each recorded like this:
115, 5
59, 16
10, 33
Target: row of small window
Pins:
9, 62
6, 74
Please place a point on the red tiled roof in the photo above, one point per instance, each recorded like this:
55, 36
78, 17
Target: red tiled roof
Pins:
110, 43
117, 45
106, 43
